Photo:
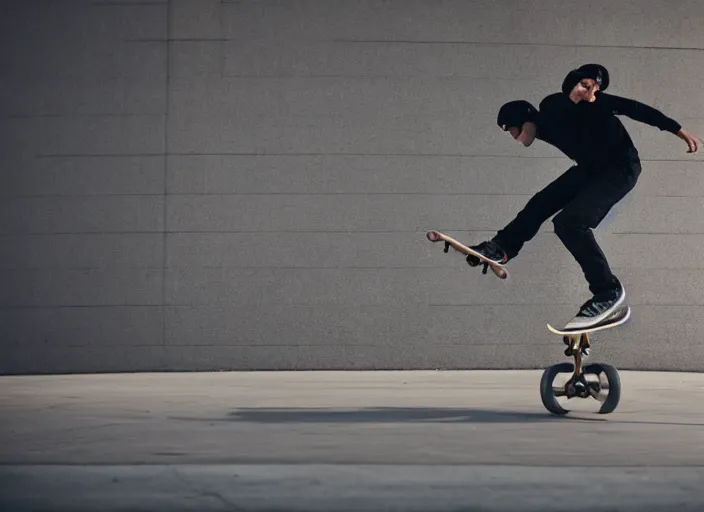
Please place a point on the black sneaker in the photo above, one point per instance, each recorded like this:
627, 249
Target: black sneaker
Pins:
489, 250
597, 308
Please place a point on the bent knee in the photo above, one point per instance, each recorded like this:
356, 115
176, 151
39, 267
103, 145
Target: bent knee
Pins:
568, 223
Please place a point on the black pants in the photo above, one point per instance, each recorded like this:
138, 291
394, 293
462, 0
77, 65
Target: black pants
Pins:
585, 194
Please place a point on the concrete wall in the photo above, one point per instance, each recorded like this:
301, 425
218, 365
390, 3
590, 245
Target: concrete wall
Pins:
247, 184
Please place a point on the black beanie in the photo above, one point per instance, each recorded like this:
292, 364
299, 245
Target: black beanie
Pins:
515, 113
596, 72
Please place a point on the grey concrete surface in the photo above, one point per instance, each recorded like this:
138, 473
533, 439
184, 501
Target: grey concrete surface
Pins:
246, 184
357, 488
446, 440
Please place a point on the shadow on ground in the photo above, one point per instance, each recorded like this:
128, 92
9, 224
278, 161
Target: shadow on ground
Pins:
275, 415
392, 414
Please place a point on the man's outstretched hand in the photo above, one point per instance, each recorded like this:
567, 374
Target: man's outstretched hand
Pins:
690, 140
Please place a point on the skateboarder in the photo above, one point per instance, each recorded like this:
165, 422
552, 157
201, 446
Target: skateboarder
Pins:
580, 121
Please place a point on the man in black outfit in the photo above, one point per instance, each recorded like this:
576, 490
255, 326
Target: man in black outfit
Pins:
580, 121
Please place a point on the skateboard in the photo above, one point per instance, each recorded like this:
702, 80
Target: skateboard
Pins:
579, 346
498, 269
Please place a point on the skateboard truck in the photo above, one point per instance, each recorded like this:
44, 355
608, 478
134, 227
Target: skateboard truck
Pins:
484, 264
468, 258
579, 347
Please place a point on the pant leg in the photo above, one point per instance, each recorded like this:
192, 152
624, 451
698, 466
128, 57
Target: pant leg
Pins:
574, 224
540, 208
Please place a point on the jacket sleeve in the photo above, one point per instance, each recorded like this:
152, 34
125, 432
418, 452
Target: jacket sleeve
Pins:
638, 112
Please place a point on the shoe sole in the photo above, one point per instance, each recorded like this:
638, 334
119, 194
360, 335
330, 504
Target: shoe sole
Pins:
600, 317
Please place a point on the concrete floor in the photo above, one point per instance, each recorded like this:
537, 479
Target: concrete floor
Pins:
422, 440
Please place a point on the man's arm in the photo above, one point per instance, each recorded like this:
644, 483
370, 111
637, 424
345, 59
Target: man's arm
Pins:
638, 111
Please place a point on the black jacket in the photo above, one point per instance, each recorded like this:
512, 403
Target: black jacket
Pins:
590, 133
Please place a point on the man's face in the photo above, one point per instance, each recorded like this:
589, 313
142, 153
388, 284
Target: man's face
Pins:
515, 131
524, 135
584, 91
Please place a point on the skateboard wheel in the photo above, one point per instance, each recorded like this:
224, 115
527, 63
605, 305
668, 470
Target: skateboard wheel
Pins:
547, 393
614, 385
